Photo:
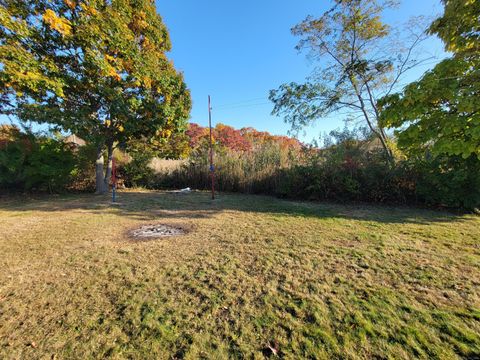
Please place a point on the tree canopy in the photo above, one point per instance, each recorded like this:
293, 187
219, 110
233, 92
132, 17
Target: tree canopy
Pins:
440, 113
94, 68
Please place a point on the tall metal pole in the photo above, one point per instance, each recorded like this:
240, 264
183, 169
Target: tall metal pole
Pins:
212, 168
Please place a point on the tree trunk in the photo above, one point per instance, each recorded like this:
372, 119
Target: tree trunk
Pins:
99, 179
388, 150
379, 133
108, 170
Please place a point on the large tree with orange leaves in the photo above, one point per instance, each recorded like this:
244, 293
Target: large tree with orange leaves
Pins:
96, 68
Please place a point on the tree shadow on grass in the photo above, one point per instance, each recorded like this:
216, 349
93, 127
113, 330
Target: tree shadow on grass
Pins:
154, 205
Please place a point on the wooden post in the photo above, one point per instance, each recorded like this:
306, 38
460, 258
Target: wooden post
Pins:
212, 168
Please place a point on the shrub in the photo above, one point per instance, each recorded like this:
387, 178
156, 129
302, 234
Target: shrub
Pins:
29, 162
83, 176
365, 177
137, 172
12, 159
49, 166
449, 181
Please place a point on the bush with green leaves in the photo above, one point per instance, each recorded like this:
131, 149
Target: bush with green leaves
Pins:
83, 176
12, 160
351, 167
450, 181
35, 163
137, 172
49, 165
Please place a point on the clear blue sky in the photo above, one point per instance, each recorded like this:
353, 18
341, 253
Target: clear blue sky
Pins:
237, 51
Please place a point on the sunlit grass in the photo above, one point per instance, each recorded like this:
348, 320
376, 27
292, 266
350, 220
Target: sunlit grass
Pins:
254, 277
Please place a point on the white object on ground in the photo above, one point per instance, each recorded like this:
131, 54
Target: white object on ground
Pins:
183, 191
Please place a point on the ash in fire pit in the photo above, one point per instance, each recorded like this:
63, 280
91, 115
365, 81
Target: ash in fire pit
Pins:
156, 231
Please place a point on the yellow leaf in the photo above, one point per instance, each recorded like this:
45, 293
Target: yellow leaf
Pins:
88, 9
147, 82
57, 23
113, 73
110, 58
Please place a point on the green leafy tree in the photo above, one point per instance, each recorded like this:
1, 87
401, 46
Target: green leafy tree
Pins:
94, 68
360, 58
24, 69
438, 117
167, 146
440, 113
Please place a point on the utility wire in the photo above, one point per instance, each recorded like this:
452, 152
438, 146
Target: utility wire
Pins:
239, 103
243, 106
247, 103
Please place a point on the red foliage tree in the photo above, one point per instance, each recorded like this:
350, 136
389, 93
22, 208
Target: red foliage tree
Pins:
245, 139
231, 138
196, 133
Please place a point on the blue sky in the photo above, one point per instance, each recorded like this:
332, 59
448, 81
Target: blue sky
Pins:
237, 51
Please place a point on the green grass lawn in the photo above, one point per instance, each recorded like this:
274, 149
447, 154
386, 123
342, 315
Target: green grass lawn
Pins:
254, 274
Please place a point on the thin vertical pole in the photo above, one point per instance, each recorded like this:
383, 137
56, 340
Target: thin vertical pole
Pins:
212, 168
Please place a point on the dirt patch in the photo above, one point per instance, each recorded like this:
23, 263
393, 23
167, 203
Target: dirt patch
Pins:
155, 231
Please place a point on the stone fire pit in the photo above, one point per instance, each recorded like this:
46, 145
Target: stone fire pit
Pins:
156, 231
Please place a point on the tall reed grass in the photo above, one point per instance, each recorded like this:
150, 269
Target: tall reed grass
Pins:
254, 171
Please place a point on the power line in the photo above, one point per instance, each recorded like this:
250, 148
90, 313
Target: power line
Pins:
239, 103
243, 106
247, 103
